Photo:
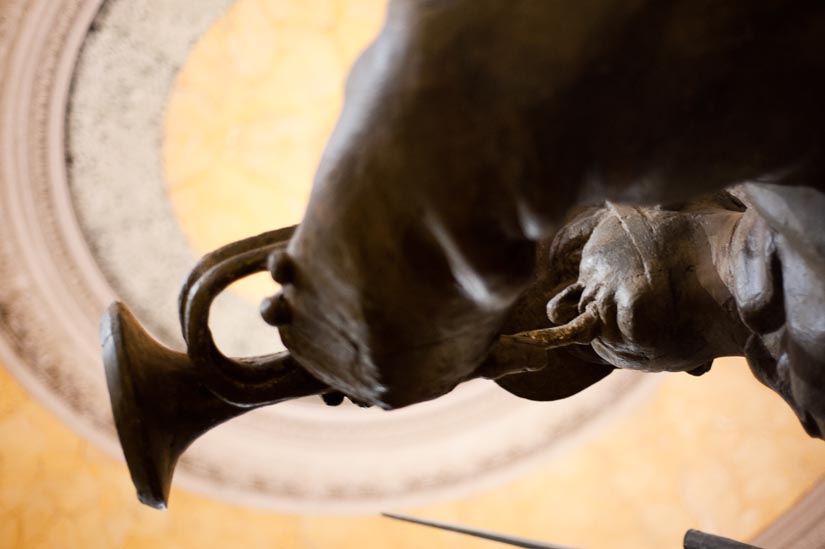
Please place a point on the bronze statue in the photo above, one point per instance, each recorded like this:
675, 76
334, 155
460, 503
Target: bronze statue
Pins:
471, 129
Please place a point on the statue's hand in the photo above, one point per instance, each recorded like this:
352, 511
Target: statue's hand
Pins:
640, 298
615, 303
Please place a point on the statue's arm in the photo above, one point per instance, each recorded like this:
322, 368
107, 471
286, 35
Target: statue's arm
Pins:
779, 289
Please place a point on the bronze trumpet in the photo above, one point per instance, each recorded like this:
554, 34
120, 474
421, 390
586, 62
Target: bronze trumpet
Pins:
162, 400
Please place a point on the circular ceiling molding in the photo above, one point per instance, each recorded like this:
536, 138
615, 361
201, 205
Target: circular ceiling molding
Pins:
67, 250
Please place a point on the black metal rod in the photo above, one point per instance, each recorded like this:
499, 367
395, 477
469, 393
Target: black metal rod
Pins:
694, 539
484, 534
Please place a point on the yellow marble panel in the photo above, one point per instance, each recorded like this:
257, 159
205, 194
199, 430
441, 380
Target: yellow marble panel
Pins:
719, 453
250, 114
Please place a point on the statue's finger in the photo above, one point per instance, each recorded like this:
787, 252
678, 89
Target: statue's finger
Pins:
581, 330
565, 304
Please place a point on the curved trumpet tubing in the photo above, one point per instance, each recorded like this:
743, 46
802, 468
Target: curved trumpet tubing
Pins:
162, 400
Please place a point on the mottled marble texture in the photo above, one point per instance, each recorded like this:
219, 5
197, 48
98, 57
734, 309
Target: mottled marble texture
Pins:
691, 456
251, 111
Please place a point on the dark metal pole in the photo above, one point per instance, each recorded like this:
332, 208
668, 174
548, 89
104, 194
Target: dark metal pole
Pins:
484, 534
694, 539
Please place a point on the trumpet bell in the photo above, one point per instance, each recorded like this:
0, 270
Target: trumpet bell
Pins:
160, 407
